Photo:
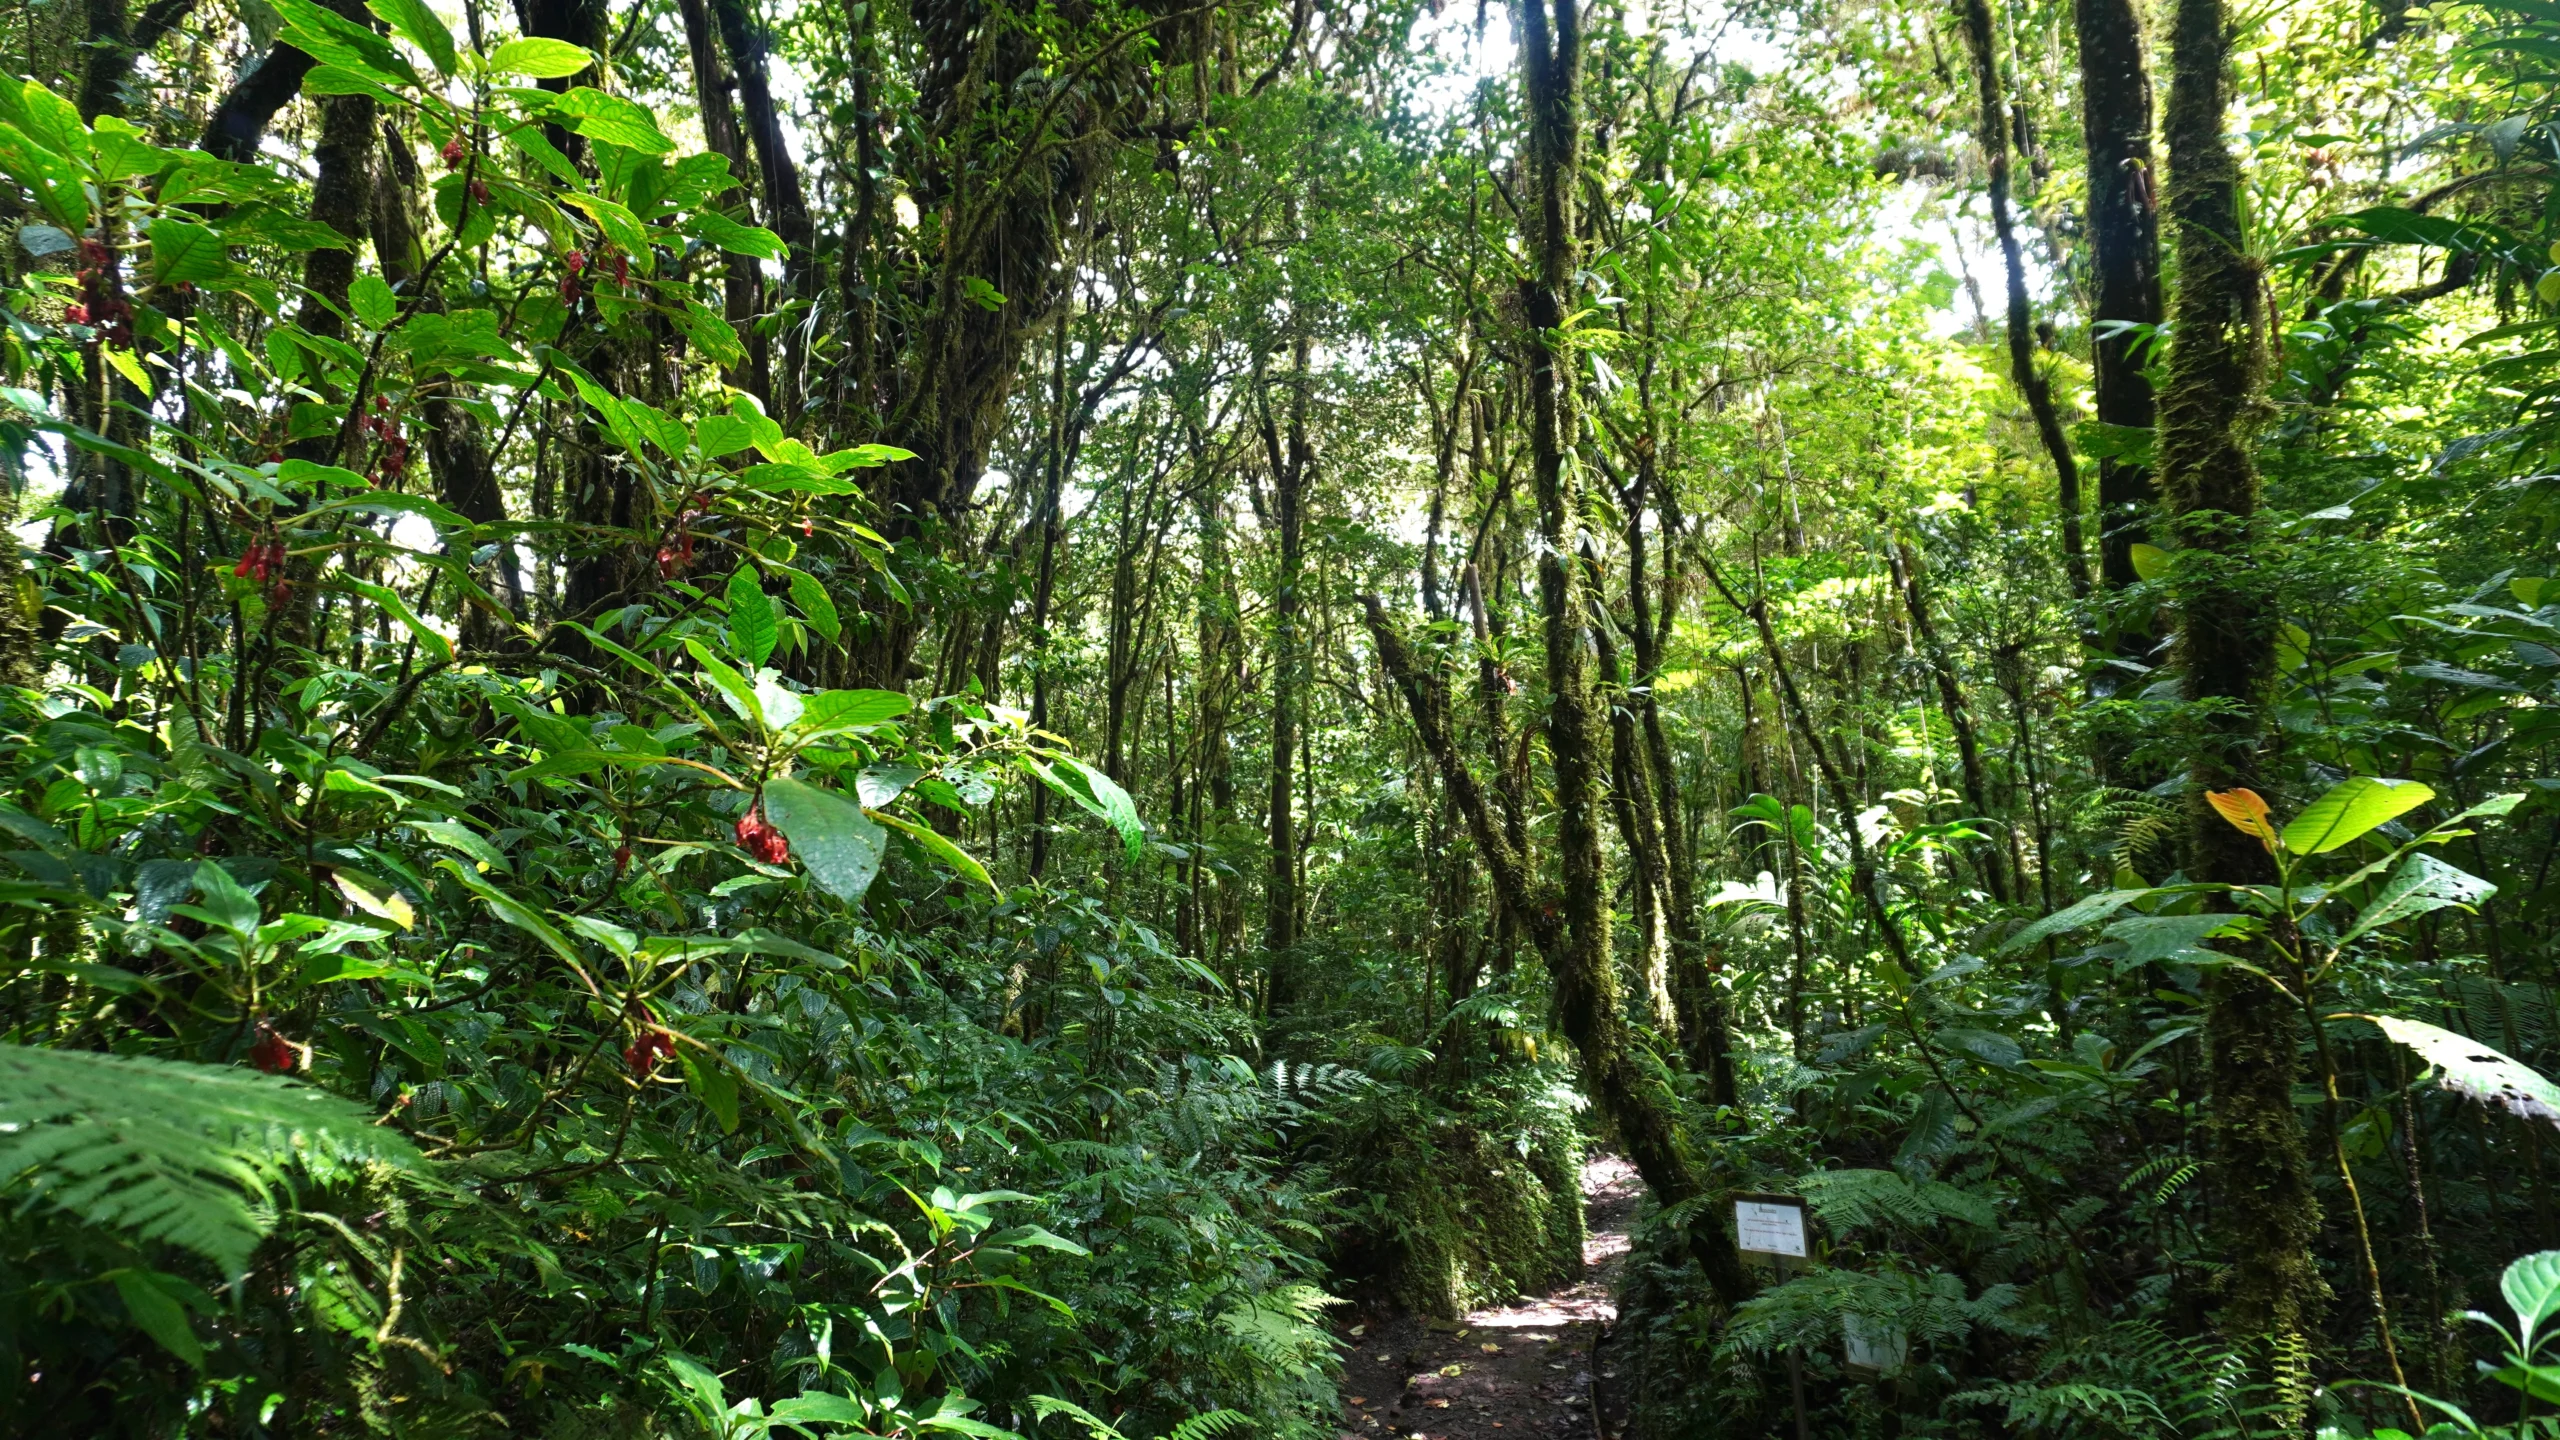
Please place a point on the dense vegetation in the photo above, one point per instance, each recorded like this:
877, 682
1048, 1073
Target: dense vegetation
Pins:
918, 718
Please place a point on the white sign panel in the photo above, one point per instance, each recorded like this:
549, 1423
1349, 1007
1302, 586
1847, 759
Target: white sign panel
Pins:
1769, 1229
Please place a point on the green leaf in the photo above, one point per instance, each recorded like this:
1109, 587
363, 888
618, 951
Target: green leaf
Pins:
2473, 1069
372, 301
733, 687
334, 40
185, 253
462, 838
717, 1089
2422, 883
173, 1153
819, 1407
728, 234
159, 1314
611, 119
2532, 1288
622, 229
1988, 1046
398, 609
1097, 793
2150, 562
840, 846
853, 709
2088, 910
939, 846
815, 605
2351, 808
541, 59
2150, 939
751, 621
419, 26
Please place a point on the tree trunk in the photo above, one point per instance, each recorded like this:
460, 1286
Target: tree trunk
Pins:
742, 288
1587, 1003
1290, 462
2124, 266
1906, 571
2033, 385
2264, 1204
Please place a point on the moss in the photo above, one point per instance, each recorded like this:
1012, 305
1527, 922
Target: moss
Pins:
1493, 1225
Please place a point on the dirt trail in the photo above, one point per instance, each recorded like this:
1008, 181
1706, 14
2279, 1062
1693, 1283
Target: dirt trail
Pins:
1521, 1372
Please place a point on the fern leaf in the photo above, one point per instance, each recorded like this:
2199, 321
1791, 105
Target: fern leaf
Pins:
187, 1155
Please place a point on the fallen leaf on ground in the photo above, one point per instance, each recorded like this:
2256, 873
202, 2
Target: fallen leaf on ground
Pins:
1453, 1371
1490, 1348
1437, 1404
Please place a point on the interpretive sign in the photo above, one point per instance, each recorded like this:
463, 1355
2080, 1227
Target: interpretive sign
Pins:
1770, 1224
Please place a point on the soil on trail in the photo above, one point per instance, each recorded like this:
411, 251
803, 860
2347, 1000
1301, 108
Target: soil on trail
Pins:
1527, 1371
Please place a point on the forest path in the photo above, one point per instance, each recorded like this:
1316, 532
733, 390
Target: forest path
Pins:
1513, 1373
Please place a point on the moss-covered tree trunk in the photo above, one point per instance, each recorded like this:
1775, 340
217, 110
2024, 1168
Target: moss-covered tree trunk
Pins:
2263, 1205
2033, 385
1588, 1006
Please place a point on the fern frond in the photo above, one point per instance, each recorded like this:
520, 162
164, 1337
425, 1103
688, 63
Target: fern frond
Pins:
188, 1155
1209, 1424
1044, 1406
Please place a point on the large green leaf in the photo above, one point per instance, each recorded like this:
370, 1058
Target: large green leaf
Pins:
2349, 810
180, 1154
2088, 910
185, 253
2422, 883
939, 846
612, 119
751, 622
540, 58
419, 26
840, 846
1097, 793
852, 709
2532, 1288
2474, 1069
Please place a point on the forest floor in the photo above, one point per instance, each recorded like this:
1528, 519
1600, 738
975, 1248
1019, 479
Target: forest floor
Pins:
1525, 1371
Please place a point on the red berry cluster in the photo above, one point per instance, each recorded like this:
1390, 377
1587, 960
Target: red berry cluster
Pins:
572, 278
272, 1052
384, 422
454, 153
621, 272
757, 837
102, 301
621, 860
676, 555
643, 1054
263, 562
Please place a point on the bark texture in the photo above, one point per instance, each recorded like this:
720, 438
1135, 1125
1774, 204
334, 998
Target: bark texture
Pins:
2263, 1199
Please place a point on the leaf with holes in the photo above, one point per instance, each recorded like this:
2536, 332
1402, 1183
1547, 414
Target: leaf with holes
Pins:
2471, 1068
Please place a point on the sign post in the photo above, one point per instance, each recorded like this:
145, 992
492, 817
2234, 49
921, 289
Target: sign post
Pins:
1773, 1225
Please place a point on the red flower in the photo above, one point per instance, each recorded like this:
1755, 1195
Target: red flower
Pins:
643, 1054
758, 837
272, 1052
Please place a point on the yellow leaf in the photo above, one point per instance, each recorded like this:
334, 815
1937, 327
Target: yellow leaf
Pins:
2247, 813
128, 367
390, 905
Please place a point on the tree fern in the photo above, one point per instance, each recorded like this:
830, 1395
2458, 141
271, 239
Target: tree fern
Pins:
189, 1155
